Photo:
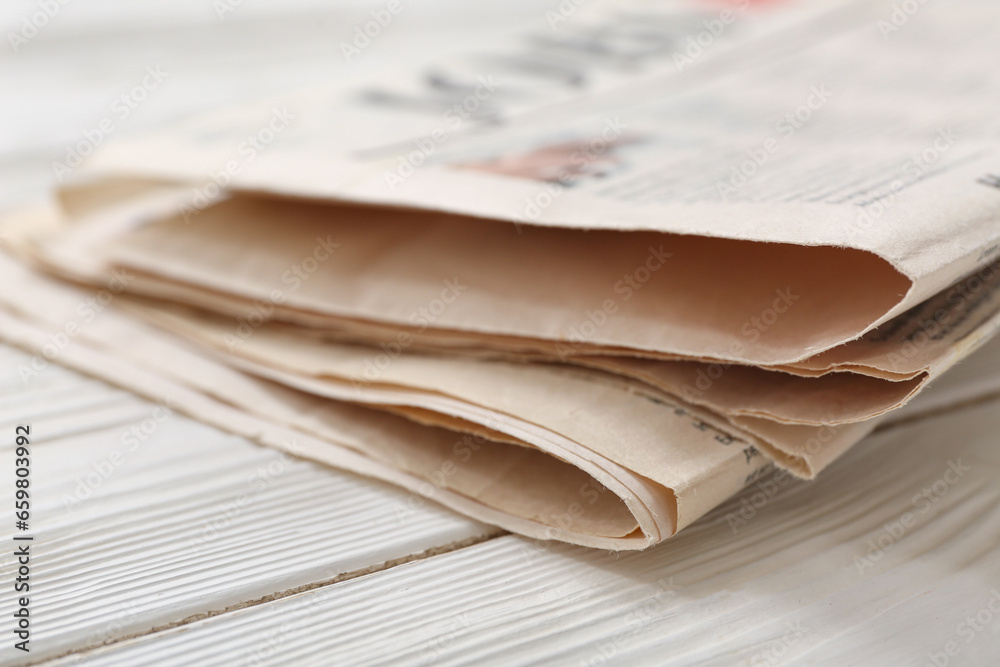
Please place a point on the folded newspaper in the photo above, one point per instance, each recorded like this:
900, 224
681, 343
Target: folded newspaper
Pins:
585, 286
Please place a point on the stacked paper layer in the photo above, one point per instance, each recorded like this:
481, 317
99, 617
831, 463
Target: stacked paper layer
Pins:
589, 316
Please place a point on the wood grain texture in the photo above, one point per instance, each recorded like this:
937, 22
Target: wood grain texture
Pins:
163, 538
798, 583
143, 518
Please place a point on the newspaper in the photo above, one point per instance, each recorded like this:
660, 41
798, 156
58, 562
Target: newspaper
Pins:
692, 267
552, 453
892, 197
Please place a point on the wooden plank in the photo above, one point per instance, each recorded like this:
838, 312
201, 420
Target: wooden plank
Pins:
141, 519
848, 569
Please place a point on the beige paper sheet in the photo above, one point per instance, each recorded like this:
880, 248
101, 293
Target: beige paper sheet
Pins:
900, 177
224, 264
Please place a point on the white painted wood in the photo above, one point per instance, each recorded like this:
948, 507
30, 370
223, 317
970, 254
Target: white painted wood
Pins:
184, 520
786, 587
122, 561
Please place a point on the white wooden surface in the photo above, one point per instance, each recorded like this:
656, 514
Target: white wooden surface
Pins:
159, 563
158, 541
316, 569
187, 521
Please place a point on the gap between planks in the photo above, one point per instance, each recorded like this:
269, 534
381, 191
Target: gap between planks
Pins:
430, 553
354, 574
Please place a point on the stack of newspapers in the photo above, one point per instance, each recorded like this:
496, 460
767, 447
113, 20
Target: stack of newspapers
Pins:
584, 285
